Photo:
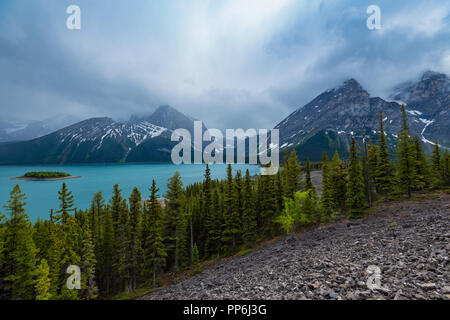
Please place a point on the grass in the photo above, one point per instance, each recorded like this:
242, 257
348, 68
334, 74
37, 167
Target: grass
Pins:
140, 292
244, 252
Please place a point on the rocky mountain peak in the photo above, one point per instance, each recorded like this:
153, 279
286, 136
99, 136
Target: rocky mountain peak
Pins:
352, 84
432, 75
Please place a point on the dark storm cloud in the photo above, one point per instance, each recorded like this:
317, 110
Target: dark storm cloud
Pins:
237, 63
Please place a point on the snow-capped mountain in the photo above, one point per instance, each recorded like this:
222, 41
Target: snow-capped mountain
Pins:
99, 140
428, 101
329, 121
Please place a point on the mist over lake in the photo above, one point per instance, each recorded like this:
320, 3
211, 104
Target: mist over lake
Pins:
43, 195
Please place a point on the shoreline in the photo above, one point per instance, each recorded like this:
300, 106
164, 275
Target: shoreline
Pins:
45, 179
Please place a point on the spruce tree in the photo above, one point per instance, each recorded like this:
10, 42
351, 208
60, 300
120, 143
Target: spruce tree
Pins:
231, 220
445, 167
406, 173
154, 250
182, 237
308, 182
372, 163
121, 261
173, 212
421, 166
108, 253
66, 205
196, 260
383, 171
19, 249
368, 187
89, 263
326, 202
436, 165
338, 182
134, 245
42, 285
2, 255
115, 205
291, 172
268, 204
237, 208
356, 199
249, 226
208, 214
67, 231
215, 234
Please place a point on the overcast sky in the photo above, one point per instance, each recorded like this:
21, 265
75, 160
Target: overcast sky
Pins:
236, 63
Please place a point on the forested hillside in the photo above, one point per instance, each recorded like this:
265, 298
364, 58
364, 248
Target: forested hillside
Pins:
124, 244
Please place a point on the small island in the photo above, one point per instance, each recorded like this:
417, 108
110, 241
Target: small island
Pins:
45, 176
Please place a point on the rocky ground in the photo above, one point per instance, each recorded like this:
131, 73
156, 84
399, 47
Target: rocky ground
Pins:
408, 241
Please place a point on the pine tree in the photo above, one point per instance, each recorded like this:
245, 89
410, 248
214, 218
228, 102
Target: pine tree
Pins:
115, 206
232, 225
182, 237
292, 171
67, 232
372, 163
66, 205
308, 182
279, 191
327, 204
154, 250
172, 219
421, 166
237, 208
436, 165
406, 174
249, 226
196, 260
445, 167
88, 266
268, 204
215, 233
19, 249
368, 187
356, 199
121, 261
208, 214
108, 253
55, 254
308, 207
338, 182
42, 285
134, 245
383, 172
95, 221
118, 209
2, 255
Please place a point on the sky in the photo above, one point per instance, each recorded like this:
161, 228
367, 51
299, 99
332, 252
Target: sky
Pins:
230, 63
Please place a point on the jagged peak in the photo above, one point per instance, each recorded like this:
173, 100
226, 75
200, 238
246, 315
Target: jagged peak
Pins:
351, 84
429, 74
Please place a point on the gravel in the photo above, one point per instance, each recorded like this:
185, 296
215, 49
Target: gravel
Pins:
407, 241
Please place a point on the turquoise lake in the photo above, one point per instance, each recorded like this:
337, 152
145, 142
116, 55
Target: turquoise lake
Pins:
43, 195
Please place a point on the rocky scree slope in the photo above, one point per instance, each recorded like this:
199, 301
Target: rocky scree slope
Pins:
408, 241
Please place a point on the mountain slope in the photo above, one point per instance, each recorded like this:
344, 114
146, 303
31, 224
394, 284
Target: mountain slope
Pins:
330, 262
329, 121
97, 140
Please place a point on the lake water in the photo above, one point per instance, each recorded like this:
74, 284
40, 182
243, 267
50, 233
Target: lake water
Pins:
43, 195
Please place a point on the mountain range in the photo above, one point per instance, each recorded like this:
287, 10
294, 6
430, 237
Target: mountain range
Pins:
327, 123
103, 140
